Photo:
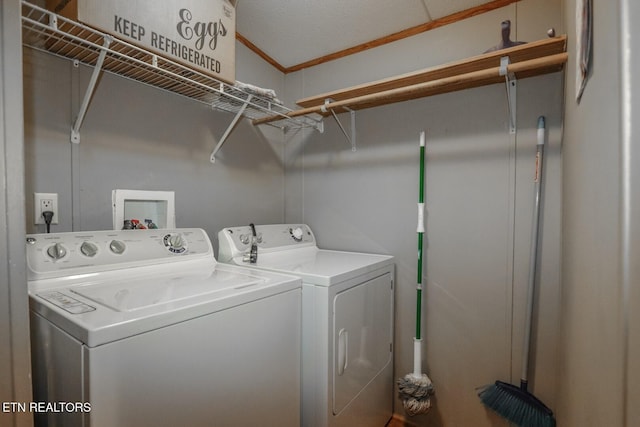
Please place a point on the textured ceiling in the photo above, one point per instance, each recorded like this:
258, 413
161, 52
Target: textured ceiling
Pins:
296, 31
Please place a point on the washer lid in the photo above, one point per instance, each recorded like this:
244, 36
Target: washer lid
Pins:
320, 266
130, 295
102, 311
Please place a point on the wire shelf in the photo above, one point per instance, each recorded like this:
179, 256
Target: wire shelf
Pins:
45, 31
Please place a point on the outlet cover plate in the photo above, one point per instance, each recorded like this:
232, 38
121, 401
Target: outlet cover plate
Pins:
43, 202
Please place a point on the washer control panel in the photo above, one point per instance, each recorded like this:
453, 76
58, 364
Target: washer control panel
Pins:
58, 254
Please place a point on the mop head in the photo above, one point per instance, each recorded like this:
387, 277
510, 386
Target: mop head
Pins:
415, 391
516, 405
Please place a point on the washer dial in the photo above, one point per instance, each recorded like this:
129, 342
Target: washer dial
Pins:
175, 243
56, 251
88, 249
117, 247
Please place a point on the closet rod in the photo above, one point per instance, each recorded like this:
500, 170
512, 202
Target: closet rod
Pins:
454, 83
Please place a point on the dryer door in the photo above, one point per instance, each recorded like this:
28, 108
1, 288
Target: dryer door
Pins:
362, 337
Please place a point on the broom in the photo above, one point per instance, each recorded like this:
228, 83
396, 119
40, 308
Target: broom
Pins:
513, 403
416, 388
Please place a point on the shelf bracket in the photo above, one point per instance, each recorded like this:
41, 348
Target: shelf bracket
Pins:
512, 86
53, 21
75, 130
226, 133
352, 138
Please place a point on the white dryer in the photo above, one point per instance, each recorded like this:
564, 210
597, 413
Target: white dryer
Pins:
144, 328
347, 321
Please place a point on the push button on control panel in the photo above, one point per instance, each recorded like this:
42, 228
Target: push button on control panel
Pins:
66, 302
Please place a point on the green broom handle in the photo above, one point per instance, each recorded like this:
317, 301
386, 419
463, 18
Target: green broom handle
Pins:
420, 231
533, 256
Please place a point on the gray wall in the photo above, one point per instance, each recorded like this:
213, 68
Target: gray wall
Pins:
630, 230
600, 224
479, 195
591, 282
15, 368
137, 137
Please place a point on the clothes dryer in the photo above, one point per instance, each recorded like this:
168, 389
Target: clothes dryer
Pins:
347, 320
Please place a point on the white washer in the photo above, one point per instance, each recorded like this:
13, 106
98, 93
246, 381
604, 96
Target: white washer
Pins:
347, 321
149, 330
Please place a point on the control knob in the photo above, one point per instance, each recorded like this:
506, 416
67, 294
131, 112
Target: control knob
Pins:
175, 243
296, 234
56, 251
117, 247
88, 249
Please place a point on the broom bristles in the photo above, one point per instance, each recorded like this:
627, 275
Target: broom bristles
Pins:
516, 405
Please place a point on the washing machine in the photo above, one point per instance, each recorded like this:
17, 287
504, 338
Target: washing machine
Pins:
347, 320
138, 328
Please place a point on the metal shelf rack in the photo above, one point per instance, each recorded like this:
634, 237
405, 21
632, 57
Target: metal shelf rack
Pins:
45, 31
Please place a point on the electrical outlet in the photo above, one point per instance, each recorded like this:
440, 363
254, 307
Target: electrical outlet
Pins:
45, 202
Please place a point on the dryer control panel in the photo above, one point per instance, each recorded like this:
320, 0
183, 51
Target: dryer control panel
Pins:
235, 241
